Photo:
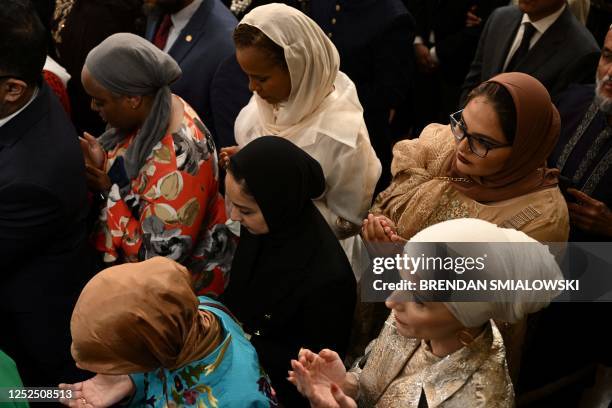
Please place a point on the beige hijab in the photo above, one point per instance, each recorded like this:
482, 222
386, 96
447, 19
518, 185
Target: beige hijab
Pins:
322, 98
137, 317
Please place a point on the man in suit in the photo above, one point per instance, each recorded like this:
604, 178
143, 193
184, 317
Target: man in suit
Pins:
198, 35
444, 46
540, 38
43, 207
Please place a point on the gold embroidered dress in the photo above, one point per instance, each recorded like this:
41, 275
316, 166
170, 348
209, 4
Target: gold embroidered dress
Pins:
421, 194
399, 369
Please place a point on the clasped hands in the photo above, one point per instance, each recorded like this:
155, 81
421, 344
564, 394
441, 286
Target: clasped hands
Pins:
380, 236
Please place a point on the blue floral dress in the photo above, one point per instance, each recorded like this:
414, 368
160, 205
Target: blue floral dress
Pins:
228, 377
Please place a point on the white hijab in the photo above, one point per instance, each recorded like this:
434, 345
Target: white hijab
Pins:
510, 262
322, 98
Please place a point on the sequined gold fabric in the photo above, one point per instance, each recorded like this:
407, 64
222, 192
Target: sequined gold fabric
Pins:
60, 15
400, 369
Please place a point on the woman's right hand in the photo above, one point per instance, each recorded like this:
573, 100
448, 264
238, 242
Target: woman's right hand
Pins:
225, 154
92, 151
315, 374
100, 391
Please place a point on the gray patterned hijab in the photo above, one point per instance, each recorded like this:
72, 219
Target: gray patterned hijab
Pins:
127, 64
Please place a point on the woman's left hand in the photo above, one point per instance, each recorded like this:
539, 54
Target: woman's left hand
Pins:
97, 180
100, 391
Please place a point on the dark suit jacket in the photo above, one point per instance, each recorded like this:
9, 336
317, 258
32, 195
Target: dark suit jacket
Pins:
551, 60
45, 262
205, 52
455, 43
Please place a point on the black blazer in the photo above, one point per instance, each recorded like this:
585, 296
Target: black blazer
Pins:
455, 43
551, 60
45, 262
212, 81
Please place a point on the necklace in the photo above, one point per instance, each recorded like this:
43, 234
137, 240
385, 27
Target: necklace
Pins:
459, 179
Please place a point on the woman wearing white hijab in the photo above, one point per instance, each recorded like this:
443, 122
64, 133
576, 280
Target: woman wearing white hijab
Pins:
300, 94
439, 354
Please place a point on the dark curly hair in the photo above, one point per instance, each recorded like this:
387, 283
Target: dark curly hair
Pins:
248, 36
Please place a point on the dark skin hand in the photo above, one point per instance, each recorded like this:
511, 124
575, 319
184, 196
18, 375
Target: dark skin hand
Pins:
589, 214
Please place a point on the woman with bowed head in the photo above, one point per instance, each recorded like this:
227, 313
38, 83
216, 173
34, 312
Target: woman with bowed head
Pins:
300, 94
155, 166
489, 163
152, 342
433, 353
291, 285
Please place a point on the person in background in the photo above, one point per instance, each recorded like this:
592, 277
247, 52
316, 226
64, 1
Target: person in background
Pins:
291, 284
299, 94
583, 155
371, 38
152, 342
77, 27
155, 167
43, 207
198, 35
447, 33
432, 353
541, 38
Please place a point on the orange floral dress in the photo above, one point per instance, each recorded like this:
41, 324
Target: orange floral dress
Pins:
172, 208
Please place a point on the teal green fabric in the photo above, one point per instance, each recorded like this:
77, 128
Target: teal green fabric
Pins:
229, 377
9, 378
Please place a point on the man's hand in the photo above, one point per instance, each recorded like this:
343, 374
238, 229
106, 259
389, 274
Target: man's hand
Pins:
589, 214
471, 19
425, 61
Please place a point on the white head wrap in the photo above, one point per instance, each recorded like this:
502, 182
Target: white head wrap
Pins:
507, 262
313, 63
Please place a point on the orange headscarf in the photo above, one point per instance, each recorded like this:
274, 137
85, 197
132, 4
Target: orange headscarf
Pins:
137, 317
537, 131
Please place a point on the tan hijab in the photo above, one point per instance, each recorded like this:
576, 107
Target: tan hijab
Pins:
137, 317
537, 131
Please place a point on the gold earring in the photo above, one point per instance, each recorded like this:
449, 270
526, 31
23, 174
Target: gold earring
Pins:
465, 337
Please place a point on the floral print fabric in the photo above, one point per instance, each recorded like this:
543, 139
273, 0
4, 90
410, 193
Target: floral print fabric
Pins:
229, 377
172, 208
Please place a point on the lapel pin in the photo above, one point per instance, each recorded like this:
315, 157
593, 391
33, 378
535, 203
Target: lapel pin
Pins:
188, 38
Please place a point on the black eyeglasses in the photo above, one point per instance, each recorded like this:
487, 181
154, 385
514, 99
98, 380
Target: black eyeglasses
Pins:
478, 145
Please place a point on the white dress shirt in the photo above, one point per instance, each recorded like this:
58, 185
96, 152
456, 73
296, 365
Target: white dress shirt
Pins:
4, 121
179, 21
541, 26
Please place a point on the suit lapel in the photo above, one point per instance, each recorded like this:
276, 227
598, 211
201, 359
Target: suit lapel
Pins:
506, 33
193, 31
152, 23
548, 45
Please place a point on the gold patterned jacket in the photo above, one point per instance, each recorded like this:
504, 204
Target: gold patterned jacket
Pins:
421, 195
399, 369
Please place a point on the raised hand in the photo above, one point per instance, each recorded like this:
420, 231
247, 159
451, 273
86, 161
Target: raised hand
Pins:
314, 375
98, 392
225, 154
92, 151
